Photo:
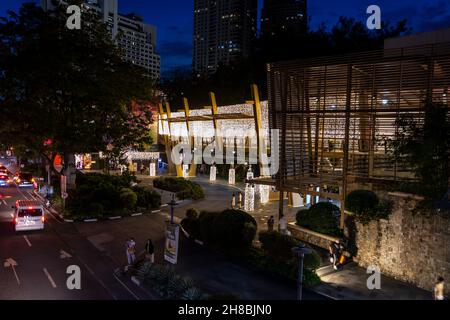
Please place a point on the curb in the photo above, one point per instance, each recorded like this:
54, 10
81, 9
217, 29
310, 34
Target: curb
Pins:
115, 218
137, 214
156, 211
90, 220
68, 220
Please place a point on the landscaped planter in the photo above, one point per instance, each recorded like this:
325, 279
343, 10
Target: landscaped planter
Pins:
315, 238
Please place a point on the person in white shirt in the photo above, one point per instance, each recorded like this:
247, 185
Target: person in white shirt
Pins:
439, 289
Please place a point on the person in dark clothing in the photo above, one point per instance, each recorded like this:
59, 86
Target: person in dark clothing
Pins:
150, 251
270, 223
334, 249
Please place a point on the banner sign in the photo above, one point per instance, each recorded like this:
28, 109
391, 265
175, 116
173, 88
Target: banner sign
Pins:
172, 239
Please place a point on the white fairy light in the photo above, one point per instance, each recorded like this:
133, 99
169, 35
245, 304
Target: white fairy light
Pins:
152, 169
249, 202
213, 173
231, 176
185, 170
264, 193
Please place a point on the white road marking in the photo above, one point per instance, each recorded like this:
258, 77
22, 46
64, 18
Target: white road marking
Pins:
64, 255
4, 202
10, 263
125, 286
28, 241
50, 279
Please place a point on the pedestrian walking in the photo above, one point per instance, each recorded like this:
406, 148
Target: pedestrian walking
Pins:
439, 289
240, 200
233, 201
150, 251
270, 223
283, 225
131, 251
334, 249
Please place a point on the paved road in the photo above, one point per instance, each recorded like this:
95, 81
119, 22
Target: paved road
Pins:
41, 271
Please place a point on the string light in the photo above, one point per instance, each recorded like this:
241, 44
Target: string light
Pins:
249, 203
264, 193
152, 169
231, 176
213, 173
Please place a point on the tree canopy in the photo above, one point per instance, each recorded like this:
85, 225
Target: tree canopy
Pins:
68, 91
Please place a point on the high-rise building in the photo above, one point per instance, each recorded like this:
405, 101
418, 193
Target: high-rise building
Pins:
136, 39
224, 30
283, 16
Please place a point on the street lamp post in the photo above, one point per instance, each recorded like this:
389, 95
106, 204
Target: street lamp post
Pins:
300, 251
172, 205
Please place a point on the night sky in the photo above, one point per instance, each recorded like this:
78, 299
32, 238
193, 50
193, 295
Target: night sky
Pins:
174, 19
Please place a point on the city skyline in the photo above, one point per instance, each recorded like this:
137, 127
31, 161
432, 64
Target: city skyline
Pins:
175, 43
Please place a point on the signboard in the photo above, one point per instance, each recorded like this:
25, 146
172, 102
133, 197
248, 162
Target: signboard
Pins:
172, 239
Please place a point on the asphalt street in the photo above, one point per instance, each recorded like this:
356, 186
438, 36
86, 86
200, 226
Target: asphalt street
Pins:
34, 264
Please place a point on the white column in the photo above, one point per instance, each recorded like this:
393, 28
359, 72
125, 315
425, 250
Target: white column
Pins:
264, 193
231, 176
213, 173
152, 169
249, 201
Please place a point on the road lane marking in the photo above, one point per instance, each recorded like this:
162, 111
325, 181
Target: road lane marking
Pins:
50, 279
4, 202
64, 255
28, 241
126, 287
10, 263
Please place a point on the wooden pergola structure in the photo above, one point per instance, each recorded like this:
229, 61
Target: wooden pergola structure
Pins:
336, 116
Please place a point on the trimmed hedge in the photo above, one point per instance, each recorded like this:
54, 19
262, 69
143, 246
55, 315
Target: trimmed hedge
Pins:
366, 207
182, 187
99, 195
228, 229
322, 217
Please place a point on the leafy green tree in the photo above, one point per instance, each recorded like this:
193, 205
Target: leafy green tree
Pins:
425, 147
68, 91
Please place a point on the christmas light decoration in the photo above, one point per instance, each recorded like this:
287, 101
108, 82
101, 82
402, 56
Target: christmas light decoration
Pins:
152, 170
213, 173
231, 176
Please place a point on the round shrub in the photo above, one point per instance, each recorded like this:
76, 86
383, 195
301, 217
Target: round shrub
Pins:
147, 198
191, 223
277, 246
322, 217
360, 201
128, 198
192, 213
366, 207
231, 229
197, 192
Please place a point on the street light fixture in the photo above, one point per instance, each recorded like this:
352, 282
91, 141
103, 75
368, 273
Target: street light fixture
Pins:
300, 252
172, 205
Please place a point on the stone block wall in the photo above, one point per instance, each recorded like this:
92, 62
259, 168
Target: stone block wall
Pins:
307, 236
408, 247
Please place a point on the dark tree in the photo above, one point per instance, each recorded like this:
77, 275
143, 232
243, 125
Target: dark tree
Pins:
68, 91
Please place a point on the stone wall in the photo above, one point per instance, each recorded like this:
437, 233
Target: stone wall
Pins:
317, 239
408, 247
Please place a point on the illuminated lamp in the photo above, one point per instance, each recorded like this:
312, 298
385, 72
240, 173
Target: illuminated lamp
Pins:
213, 173
232, 176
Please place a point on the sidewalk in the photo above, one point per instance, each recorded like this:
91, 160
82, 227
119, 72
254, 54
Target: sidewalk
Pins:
351, 284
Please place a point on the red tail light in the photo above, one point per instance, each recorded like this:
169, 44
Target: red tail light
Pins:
16, 220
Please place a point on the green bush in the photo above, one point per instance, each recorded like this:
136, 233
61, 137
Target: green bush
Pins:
360, 201
228, 229
147, 198
191, 223
287, 269
322, 217
128, 199
95, 210
278, 247
233, 229
366, 207
182, 187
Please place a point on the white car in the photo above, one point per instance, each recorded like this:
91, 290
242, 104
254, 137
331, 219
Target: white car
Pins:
28, 215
